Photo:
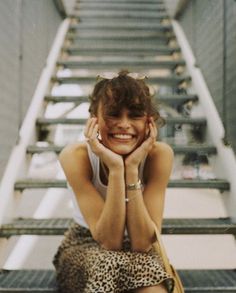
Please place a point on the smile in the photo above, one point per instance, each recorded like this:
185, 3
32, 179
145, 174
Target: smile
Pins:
122, 136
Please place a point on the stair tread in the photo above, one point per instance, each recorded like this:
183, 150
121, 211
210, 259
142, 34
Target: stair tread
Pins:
123, 8
122, 48
117, 26
45, 280
115, 1
126, 15
81, 121
114, 64
58, 226
117, 13
123, 35
161, 98
199, 148
168, 80
118, 5
173, 183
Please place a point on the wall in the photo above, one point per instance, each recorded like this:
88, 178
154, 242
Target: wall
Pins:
27, 31
69, 5
210, 27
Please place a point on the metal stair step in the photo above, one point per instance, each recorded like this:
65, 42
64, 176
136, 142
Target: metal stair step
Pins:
95, 16
120, 7
171, 80
115, 64
178, 149
194, 281
120, 26
119, 50
121, 1
130, 43
45, 122
108, 20
121, 35
31, 183
119, 13
56, 226
165, 99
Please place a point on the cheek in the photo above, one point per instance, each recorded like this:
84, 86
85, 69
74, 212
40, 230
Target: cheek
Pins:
108, 124
103, 127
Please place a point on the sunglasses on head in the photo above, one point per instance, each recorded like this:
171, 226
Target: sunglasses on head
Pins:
111, 75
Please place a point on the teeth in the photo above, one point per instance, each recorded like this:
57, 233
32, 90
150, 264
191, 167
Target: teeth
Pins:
122, 136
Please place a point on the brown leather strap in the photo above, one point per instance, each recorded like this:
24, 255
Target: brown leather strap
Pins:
162, 251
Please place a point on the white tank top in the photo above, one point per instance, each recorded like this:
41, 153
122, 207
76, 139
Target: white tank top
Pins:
96, 180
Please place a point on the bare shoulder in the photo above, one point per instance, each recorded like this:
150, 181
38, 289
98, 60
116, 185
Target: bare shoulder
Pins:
74, 150
159, 163
161, 149
74, 158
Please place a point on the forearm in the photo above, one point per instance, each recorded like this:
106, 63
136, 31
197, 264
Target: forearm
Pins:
139, 223
110, 226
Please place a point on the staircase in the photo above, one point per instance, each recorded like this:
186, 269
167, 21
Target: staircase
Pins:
110, 35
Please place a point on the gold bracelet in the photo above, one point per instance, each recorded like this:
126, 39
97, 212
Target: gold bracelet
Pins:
134, 186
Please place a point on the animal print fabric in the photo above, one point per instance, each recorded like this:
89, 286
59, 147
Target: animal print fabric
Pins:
82, 266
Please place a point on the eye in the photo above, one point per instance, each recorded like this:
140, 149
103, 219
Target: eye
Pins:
112, 115
136, 115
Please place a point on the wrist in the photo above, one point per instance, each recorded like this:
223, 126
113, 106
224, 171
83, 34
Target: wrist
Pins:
115, 170
131, 177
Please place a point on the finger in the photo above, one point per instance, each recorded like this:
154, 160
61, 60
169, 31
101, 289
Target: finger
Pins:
154, 127
94, 132
90, 127
87, 126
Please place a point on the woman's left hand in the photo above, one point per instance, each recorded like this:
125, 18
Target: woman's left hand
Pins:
135, 158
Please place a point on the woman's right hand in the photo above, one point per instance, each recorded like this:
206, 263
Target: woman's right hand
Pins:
111, 159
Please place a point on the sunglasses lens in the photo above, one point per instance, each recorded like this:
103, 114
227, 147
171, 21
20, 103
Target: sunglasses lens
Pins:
111, 75
108, 75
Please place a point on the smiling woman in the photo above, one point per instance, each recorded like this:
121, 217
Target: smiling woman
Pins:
118, 178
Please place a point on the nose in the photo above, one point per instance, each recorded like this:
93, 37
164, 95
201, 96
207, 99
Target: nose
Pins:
123, 122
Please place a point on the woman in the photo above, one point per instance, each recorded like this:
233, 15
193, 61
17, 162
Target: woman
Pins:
118, 177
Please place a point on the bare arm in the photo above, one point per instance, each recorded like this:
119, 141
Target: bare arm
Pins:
144, 210
106, 219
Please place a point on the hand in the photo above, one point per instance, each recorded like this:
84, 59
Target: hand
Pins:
111, 159
136, 157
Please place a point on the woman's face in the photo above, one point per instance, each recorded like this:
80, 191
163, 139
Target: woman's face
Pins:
122, 132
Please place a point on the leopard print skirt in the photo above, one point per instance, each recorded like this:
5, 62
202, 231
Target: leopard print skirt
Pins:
82, 266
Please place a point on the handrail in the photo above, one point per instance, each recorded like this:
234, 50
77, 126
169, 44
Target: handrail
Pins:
225, 163
18, 161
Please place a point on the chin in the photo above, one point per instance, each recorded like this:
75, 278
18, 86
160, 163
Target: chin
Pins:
122, 151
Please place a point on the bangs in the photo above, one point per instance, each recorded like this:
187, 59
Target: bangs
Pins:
118, 96
124, 92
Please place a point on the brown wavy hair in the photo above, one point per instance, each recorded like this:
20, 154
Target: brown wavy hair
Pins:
124, 91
